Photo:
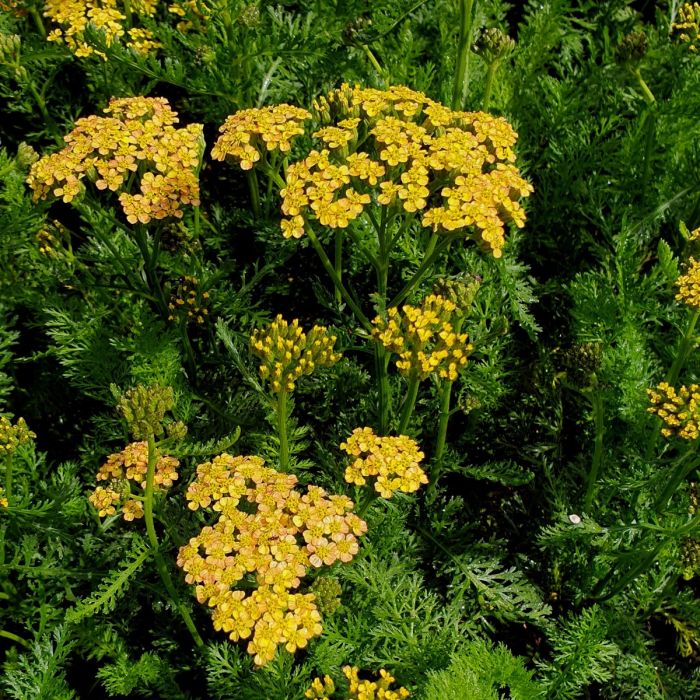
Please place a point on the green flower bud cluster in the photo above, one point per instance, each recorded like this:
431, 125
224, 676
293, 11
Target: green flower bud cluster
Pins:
144, 408
12, 436
9, 48
689, 558
327, 591
582, 362
632, 48
26, 156
461, 291
493, 45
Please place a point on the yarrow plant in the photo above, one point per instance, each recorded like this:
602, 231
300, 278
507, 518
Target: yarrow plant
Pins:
678, 409
115, 20
424, 339
270, 535
325, 688
124, 470
137, 140
288, 353
393, 462
689, 285
688, 25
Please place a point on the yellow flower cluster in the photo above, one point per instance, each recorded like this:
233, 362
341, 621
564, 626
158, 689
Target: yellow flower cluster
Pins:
679, 410
12, 436
322, 689
129, 465
394, 461
4, 503
287, 352
456, 168
108, 16
688, 25
137, 136
245, 135
266, 528
689, 285
424, 338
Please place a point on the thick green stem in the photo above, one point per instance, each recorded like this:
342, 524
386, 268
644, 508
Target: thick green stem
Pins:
599, 426
281, 411
150, 262
371, 498
409, 403
647, 94
254, 193
363, 320
8, 479
15, 638
381, 354
683, 468
431, 253
491, 72
155, 547
338, 261
686, 345
38, 22
445, 400
372, 59
461, 83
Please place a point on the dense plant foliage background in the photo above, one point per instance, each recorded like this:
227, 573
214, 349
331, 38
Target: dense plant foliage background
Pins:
554, 551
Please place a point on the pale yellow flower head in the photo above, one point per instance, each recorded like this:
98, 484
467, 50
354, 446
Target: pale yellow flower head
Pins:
392, 462
268, 530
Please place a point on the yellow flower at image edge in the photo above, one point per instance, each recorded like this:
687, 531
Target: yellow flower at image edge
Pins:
322, 689
393, 461
678, 409
689, 285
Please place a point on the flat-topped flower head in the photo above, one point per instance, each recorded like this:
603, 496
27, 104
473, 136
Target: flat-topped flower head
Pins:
125, 472
287, 352
400, 149
678, 409
109, 17
392, 462
689, 285
268, 530
424, 338
138, 135
247, 134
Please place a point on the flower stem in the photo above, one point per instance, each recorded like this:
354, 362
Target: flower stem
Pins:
254, 193
431, 253
8, 479
409, 403
338, 260
363, 320
281, 411
445, 399
599, 426
155, 547
491, 72
683, 468
461, 83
